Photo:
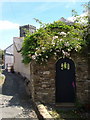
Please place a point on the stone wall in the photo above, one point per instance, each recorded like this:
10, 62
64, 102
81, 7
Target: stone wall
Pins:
42, 82
82, 82
23, 29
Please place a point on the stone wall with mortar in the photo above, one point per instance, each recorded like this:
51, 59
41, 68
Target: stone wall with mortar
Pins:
82, 81
42, 82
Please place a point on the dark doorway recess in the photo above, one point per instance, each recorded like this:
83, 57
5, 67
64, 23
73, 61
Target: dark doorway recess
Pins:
65, 81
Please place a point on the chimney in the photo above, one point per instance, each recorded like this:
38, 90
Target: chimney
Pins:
25, 28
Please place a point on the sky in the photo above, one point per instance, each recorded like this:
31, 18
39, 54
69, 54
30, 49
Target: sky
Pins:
15, 13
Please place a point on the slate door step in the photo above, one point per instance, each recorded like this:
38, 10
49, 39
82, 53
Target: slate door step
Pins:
65, 105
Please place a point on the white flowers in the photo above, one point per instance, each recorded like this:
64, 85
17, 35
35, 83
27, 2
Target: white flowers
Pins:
63, 34
61, 40
65, 53
55, 37
69, 50
66, 44
78, 47
68, 32
36, 54
56, 44
43, 48
50, 50
54, 40
55, 53
33, 57
77, 39
40, 54
37, 48
46, 56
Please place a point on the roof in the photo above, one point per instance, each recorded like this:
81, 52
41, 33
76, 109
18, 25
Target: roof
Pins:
9, 50
27, 26
9, 54
9, 46
68, 22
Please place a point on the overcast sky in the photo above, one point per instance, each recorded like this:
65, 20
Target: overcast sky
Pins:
15, 14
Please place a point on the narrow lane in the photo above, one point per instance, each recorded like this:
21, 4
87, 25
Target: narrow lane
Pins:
14, 101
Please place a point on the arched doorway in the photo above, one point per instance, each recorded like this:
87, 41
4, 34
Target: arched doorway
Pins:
65, 81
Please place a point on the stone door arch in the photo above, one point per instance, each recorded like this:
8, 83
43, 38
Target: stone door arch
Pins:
65, 81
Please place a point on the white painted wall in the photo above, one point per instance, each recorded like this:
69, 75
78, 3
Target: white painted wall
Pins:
20, 67
9, 49
9, 59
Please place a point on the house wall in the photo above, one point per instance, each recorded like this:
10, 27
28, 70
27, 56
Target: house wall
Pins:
9, 49
20, 67
43, 80
9, 59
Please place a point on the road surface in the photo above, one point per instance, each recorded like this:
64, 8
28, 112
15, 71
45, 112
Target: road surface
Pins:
14, 101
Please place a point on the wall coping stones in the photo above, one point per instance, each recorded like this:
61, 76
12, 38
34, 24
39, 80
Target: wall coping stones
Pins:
42, 112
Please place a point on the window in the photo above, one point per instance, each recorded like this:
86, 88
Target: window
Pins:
65, 65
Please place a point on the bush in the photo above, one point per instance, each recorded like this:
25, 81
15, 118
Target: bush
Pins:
53, 39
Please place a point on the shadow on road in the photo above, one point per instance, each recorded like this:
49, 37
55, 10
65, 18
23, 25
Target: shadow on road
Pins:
14, 86
10, 87
14, 97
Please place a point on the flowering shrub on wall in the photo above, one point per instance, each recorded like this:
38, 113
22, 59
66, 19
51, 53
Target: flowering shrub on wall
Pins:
53, 39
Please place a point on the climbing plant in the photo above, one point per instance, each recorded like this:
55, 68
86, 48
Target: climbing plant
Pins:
54, 39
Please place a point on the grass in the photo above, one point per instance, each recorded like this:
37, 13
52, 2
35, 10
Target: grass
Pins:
67, 114
0, 71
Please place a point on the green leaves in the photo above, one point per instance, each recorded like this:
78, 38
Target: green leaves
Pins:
74, 13
53, 39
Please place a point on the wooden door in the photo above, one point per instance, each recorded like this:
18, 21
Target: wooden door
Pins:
65, 81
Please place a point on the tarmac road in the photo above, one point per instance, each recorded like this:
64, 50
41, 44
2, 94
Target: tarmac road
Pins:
14, 101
